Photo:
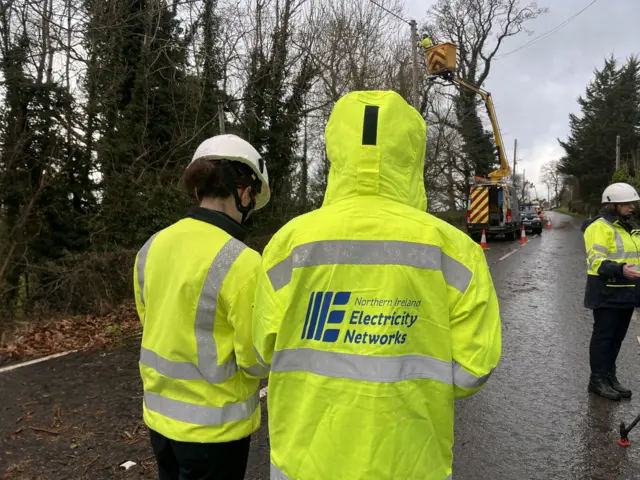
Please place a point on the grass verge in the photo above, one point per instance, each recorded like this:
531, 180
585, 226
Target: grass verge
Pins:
566, 211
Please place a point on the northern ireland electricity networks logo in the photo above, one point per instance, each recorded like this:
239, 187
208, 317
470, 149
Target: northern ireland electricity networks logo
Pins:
322, 313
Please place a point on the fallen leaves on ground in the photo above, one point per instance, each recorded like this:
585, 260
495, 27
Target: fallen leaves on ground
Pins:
77, 333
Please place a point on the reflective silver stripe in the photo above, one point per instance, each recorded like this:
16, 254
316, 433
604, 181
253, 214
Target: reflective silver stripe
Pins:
620, 254
206, 314
623, 255
261, 360
600, 248
142, 262
370, 252
256, 370
594, 257
207, 367
464, 379
362, 367
184, 370
618, 237
198, 414
276, 474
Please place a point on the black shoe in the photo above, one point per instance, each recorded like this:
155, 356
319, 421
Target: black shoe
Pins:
600, 385
623, 391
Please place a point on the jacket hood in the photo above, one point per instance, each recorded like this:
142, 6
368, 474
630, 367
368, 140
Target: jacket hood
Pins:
376, 146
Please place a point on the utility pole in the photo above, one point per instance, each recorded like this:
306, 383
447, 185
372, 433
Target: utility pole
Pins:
548, 195
221, 117
617, 152
515, 155
524, 184
414, 49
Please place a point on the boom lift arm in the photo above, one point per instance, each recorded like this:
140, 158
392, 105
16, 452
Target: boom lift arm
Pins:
441, 62
505, 169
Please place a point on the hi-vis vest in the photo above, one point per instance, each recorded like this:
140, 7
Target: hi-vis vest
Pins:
372, 314
194, 287
609, 245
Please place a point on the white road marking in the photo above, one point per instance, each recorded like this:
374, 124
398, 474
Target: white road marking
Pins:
263, 392
638, 337
507, 255
37, 360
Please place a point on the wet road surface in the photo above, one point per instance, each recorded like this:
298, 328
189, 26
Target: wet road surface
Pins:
533, 420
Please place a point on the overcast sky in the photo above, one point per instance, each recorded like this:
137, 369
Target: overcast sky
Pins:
535, 89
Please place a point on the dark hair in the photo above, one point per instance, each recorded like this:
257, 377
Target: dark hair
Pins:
211, 178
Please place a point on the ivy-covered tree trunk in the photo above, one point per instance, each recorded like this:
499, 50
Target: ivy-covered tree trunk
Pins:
274, 111
147, 133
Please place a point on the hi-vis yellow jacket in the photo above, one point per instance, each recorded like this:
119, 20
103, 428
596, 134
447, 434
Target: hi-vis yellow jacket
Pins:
372, 314
194, 287
610, 244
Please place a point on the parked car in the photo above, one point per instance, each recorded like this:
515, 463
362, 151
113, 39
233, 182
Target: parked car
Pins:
531, 218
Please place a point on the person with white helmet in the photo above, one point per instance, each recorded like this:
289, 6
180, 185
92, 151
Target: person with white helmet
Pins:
612, 243
194, 285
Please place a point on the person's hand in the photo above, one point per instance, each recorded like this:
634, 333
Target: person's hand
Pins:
630, 273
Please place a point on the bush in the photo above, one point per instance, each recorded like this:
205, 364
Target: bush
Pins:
98, 282
456, 218
89, 283
580, 207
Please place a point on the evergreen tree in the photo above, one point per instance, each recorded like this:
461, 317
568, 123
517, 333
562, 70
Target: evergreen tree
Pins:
43, 194
478, 144
142, 150
610, 107
274, 110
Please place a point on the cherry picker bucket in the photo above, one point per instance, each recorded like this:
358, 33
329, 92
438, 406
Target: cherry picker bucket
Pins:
441, 58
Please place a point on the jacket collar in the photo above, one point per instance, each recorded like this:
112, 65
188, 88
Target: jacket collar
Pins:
613, 219
220, 220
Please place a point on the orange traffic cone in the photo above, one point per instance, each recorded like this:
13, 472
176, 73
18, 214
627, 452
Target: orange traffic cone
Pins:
523, 236
549, 222
483, 240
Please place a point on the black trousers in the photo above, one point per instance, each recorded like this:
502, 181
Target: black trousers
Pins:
200, 461
609, 329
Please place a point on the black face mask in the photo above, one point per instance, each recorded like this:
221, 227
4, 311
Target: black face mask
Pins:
232, 183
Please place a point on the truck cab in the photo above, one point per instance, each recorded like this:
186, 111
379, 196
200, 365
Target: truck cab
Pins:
494, 208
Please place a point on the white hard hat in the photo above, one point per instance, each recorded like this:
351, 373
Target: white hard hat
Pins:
620, 193
234, 148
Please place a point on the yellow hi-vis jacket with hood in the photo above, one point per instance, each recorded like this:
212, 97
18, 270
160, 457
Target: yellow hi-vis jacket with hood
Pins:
610, 243
194, 287
372, 314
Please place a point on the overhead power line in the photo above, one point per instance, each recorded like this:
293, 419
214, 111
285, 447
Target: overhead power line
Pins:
548, 33
390, 12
